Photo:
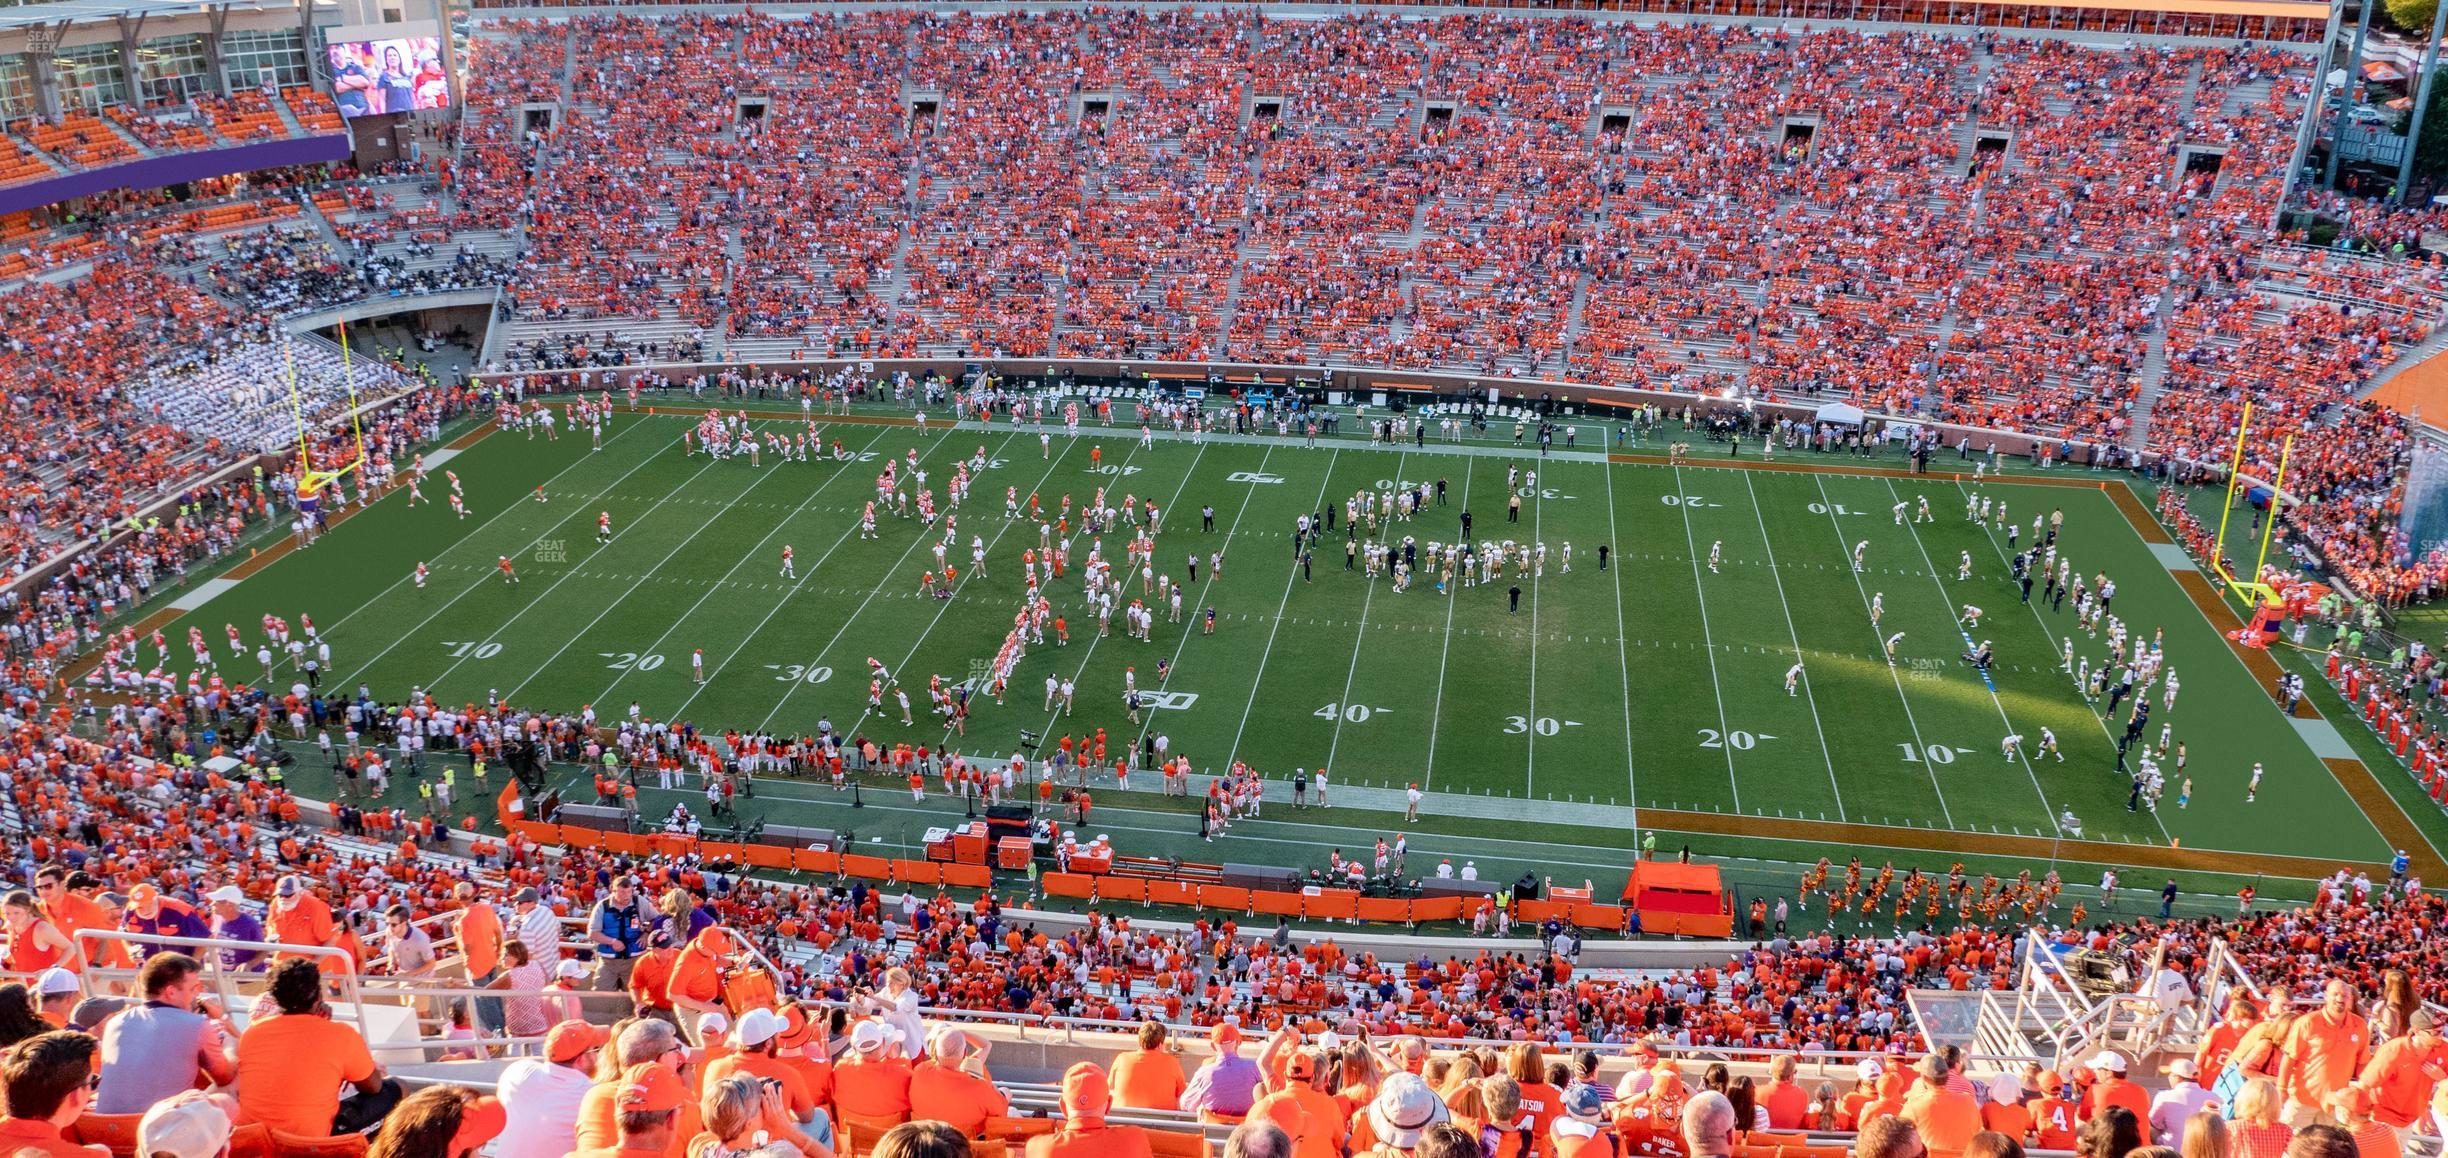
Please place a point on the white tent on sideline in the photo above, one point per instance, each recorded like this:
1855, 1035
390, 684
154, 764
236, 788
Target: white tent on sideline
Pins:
1840, 413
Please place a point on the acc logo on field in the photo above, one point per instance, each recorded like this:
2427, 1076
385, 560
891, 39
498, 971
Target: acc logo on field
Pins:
1251, 476
1167, 701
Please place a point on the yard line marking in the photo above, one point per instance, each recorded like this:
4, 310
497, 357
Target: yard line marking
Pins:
840, 468
482, 527
1892, 674
1290, 577
1708, 641
1537, 544
2051, 637
545, 595
1946, 602
422, 624
1170, 504
1247, 493
1368, 594
1437, 713
795, 588
1053, 462
1808, 695
944, 605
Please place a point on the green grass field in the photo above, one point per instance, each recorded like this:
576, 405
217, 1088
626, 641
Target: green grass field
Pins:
1657, 683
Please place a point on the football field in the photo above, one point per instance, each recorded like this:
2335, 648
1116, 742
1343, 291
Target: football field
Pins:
1650, 694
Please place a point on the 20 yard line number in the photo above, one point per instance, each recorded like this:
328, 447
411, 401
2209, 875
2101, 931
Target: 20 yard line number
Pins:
1738, 740
630, 660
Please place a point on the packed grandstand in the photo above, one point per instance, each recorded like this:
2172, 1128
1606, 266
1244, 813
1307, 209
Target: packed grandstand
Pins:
2090, 243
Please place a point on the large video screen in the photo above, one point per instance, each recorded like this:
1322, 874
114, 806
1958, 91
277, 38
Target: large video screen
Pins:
389, 76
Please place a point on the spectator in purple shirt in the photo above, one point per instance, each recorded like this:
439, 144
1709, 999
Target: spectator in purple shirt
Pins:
230, 923
150, 912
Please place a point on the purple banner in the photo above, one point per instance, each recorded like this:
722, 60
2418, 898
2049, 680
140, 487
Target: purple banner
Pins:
156, 172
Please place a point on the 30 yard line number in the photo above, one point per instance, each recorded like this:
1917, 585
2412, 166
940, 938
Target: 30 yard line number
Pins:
1542, 725
795, 673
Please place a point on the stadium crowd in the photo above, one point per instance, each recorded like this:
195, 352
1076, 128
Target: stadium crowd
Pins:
126, 831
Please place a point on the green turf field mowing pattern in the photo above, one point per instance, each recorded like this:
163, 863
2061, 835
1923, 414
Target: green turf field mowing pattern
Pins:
1657, 682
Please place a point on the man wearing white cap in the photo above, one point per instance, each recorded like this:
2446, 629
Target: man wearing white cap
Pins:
231, 923
56, 992
2177, 1104
194, 1124
2111, 1089
871, 1079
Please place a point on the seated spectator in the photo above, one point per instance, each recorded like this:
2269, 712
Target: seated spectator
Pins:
48, 1084
737, 1110
871, 1080
1888, 1136
1404, 1110
542, 1095
2206, 1136
2114, 1133
56, 992
291, 1066
755, 1048
1227, 1085
1991, 1144
646, 1100
2258, 1131
952, 1085
1259, 1139
19, 1019
639, 1044
1085, 1133
1582, 1129
194, 1124
2176, 1105
2322, 1141
922, 1139
1785, 1101
1709, 1125
2109, 1088
2353, 1109
176, 1040
1309, 1115
440, 1122
1149, 1077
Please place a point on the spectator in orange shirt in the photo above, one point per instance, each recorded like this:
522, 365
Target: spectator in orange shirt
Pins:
2004, 1112
1309, 1115
1150, 1077
871, 1081
697, 976
480, 938
72, 910
1946, 1119
1785, 1101
1085, 1098
291, 1067
1866, 1074
952, 1085
2403, 1071
2220, 1043
2353, 1108
2054, 1119
650, 978
48, 1083
643, 1043
648, 1099
801, 1046
2324, 1052
1710, 1125
2109, 1088
301, 918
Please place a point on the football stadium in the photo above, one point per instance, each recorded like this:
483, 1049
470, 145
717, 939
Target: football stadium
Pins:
1746, 578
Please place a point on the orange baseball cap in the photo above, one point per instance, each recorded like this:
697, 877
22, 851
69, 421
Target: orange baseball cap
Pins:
649, 1087
480, 1121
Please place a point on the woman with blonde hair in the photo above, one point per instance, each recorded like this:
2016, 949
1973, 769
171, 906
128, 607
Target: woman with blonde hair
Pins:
2206, 1136
1463, 1074
736, 1110
1540, 1099
1507, 1116
2257, 1132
